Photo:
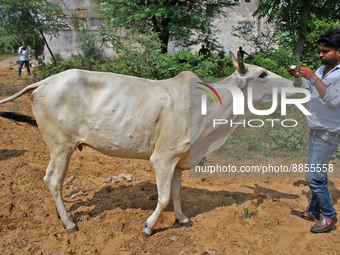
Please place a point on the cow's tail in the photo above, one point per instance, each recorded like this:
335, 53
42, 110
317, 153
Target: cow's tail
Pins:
21, 92
17, 117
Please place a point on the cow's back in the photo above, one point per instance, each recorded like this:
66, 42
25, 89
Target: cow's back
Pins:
116, 114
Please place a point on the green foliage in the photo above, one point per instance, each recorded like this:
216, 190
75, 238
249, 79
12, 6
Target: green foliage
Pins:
248, 212
336, 156
292, 18
142, 59
7, 55
182, 21
266, 62
276, 61
147, 61
253, 144
260, 41
288, 139
233, 195
29, 19
89, 46
318, 26
45, 70
237, 145
8, 41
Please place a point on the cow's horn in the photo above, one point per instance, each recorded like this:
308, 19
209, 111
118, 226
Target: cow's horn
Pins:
241, 67
238, 63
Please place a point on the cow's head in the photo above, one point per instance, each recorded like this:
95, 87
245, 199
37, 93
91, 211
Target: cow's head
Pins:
259, 79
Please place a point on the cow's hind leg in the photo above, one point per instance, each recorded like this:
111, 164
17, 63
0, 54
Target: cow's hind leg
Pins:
164, 173
176, 196
55, 173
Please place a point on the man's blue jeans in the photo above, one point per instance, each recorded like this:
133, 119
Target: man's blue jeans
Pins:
27, 66
322, 145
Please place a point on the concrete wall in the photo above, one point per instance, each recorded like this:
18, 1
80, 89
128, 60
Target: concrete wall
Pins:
67, 43
235, 14
68, 40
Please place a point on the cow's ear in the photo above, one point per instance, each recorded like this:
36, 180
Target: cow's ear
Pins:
238, 63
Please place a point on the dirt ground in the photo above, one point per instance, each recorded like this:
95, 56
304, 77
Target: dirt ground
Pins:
110, 216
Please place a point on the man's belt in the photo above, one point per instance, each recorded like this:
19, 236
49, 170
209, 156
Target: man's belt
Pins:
323, 132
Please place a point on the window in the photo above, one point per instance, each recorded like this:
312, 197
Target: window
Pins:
247, 1
79, 13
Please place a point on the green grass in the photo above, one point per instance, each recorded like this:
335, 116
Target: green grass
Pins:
248, 212
7, 55
233, 195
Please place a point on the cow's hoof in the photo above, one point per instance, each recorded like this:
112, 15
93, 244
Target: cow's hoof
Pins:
187, 224
145, 235
58, 215
72, 230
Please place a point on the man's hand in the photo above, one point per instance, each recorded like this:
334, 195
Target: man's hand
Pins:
306, 72
293, 71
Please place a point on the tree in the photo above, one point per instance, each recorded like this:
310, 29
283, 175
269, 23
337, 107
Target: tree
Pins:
31, 19
261, 41
7, 41
292, 18
186, 22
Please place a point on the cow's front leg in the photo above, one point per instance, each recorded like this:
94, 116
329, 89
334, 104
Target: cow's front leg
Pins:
176, 196
164, 173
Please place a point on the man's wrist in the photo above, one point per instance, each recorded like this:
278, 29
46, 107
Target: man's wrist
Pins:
313, 80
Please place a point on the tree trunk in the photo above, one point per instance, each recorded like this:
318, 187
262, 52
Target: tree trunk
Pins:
305, 17
48, 47
163, 32
164, 40
299, 45
42, 35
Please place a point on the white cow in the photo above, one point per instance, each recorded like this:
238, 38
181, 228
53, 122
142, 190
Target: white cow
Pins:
131, 117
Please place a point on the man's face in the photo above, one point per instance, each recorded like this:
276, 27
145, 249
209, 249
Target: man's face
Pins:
329, 56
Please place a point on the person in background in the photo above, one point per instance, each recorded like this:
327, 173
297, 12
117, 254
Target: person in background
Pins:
324, 124
204, 51
24, 58
241, 53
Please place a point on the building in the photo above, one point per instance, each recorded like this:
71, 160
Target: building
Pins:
235, 14
83, 10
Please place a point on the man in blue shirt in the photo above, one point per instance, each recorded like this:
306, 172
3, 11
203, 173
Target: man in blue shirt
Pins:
324, 123
24, 58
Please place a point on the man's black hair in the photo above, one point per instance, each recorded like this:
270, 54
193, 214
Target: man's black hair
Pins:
331, 39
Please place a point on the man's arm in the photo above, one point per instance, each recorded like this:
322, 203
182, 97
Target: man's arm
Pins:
308, 74
329, 93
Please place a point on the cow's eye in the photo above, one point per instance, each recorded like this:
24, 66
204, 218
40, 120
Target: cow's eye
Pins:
263, 74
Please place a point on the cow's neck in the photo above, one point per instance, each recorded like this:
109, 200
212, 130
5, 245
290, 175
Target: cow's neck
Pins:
225, 112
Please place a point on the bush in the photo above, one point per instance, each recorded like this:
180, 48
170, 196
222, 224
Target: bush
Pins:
276, 61
336, 156
45, 70
147, 61
288, 139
